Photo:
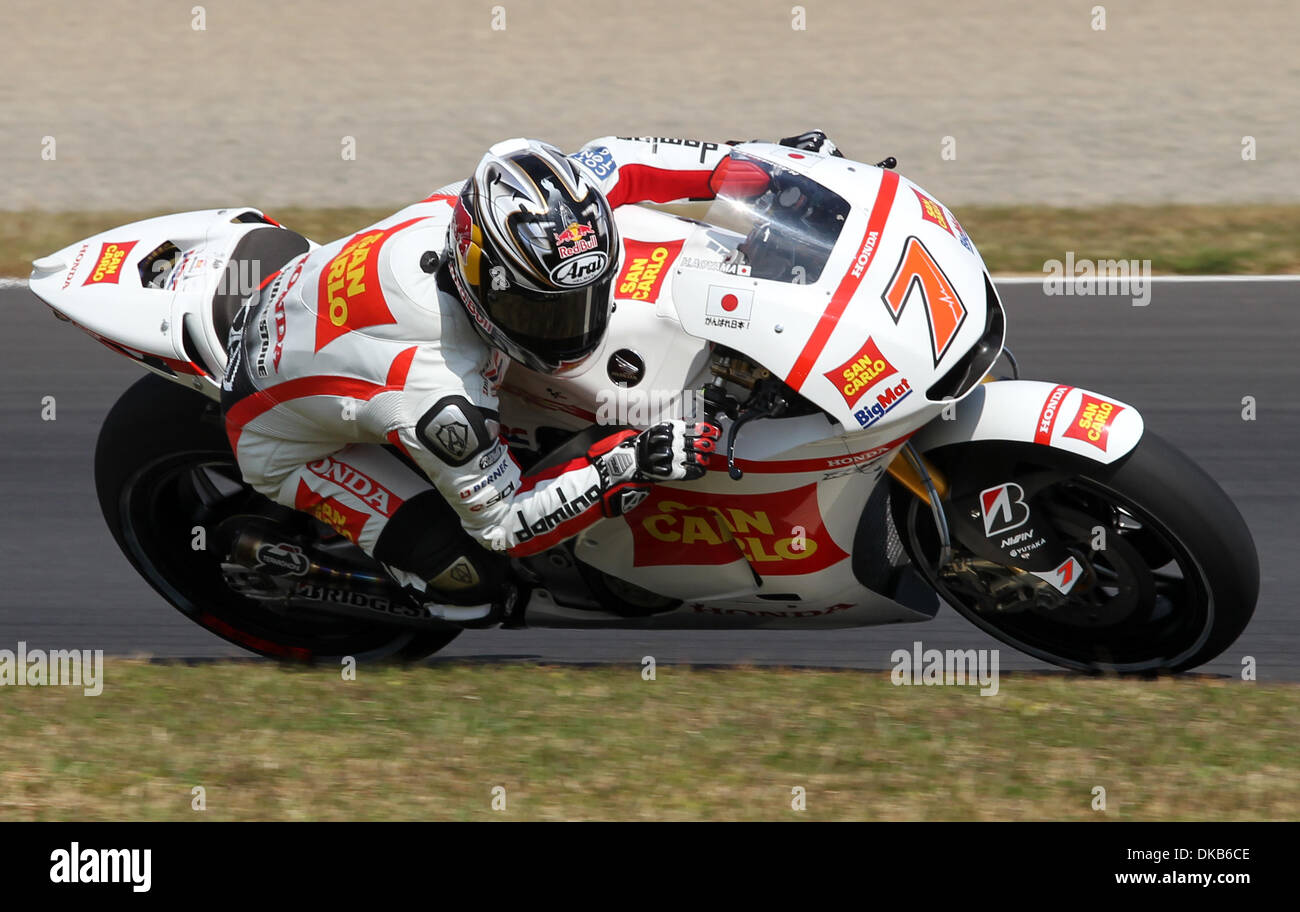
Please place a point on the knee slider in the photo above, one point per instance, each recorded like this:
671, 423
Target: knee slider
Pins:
424, 537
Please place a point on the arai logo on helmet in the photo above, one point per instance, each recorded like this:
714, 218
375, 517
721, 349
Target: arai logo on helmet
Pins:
581, 270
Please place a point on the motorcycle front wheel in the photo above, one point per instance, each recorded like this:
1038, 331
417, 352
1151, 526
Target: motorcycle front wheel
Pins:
1172, 575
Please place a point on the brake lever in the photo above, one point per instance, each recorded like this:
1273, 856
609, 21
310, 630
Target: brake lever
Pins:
774, 406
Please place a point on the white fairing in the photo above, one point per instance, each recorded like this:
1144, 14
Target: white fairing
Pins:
808, 473
781, 331
97, 284
1031, 411
901, 302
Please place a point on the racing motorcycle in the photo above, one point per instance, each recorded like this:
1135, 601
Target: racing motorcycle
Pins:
837, 323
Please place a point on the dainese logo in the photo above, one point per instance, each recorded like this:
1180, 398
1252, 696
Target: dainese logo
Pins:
108, 268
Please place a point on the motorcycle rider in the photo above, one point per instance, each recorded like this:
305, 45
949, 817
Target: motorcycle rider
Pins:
401, 335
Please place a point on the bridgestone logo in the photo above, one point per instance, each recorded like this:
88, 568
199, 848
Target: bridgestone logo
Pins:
336, 596
567, 511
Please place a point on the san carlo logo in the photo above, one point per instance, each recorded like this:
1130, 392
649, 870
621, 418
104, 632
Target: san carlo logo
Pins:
349, 296
1093, 421
861, 372
645, 267
580, 270
695, 528
342, 519
108, 268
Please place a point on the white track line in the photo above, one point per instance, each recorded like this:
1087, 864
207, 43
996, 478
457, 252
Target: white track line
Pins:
1038, 280
13, 283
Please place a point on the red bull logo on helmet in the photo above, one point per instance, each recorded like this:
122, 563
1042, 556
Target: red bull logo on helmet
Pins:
576, 238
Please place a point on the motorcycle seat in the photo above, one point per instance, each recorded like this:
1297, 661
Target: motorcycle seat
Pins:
266, 250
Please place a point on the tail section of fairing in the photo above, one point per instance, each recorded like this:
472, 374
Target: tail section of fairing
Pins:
145, 289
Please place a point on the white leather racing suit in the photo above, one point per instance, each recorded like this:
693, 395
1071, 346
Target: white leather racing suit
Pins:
355, 345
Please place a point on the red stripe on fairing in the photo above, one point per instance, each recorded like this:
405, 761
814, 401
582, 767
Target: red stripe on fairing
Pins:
648, 184
718, 461
180, 367
848, 284
183, 367
1042, 436
255, 404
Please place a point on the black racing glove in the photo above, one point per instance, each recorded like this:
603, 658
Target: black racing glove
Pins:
813, 141
629, 462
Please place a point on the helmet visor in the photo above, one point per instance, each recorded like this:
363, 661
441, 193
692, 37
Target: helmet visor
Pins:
554, 327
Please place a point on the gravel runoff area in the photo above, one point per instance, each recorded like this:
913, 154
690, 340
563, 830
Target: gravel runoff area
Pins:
142, 110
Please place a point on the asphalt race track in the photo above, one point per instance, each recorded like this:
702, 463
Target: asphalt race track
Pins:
1186, 360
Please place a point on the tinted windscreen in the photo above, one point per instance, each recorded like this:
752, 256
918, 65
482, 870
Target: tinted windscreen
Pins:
788, 221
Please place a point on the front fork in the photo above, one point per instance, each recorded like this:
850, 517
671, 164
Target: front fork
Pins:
925, 481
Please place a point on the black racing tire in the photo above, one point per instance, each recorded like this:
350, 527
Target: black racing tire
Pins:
153, 440
1184, 568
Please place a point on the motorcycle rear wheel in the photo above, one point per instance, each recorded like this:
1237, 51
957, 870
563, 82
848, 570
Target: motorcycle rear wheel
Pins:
163, 470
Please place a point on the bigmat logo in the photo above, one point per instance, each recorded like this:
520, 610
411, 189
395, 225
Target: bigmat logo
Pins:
644, 269
893, 396
108, 268
1092, 423
779, 534
349, 297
